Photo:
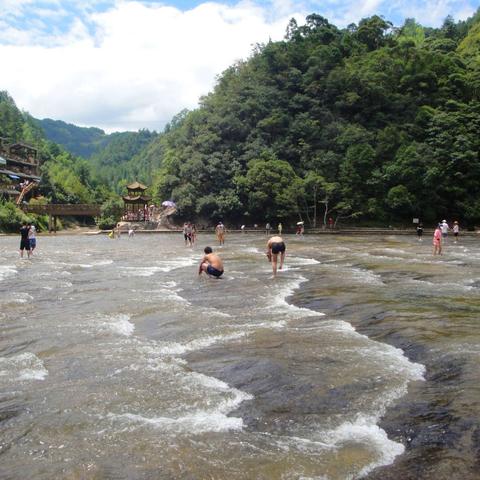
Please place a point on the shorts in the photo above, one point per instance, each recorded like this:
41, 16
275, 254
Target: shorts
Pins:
278, 247
187, 236
456, 234
33, 242
213, 271
444, 235
24, 244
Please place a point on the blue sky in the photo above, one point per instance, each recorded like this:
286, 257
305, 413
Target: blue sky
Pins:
125, 65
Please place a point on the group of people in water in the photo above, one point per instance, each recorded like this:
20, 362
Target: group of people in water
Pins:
212, 264
440, 234
28, 238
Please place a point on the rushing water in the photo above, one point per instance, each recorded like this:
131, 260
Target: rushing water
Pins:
359, 360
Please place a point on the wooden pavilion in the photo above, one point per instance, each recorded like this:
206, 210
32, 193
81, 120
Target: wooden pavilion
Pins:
136, 203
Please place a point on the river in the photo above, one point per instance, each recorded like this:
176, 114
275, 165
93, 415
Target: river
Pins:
360, 360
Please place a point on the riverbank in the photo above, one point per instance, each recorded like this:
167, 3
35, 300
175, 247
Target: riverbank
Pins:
360, 231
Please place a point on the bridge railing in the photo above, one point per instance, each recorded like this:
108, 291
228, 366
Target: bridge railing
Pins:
63, 209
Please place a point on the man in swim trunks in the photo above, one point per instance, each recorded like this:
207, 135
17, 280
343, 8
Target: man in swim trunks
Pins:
220, 232
211, 264
275, 246
24, 241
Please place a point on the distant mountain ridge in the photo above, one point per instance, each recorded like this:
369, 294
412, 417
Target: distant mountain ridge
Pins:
112, 156
81, 141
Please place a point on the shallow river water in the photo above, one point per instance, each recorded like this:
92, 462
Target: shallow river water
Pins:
360, 360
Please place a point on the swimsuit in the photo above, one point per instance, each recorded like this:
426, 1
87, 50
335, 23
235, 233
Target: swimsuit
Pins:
213, 271
278, 247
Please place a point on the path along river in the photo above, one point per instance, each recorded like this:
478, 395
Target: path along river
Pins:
359, 360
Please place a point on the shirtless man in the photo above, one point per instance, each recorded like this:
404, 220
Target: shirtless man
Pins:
275, 246
211, 264
220, 232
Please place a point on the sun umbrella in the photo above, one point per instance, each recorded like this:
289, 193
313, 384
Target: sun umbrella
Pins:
168, 203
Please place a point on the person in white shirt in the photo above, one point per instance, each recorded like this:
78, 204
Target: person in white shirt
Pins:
32, 238
444, 228
456, 230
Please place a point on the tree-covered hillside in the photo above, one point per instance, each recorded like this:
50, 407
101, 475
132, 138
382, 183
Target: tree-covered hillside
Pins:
113, 156
370, 122
117, 163
80, 141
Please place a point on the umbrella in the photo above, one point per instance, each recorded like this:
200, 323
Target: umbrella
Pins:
168, 203
300, 223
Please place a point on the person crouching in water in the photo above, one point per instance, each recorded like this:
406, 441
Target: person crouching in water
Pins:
275, 246
211, 264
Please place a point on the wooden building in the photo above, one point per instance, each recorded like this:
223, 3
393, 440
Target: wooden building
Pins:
136, 203
19, 169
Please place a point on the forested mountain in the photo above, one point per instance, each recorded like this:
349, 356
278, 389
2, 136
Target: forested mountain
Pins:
80, 141
113, 156
117, 165
370, 122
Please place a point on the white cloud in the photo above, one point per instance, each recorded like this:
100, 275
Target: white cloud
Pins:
434, 12
137, 64
142, 65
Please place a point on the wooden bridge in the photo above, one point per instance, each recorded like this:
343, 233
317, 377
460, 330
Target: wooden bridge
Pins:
62, 210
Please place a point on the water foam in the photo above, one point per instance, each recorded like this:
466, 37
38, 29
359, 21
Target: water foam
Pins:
119, 324
198, 422
214, 419
21, 297
365, 431
7, 271
23, 367
279, 302
175, 348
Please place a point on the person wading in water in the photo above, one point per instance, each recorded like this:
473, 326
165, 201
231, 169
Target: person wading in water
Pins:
275, 246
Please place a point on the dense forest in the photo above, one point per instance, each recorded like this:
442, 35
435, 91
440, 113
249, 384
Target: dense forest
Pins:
113, 156
372, 123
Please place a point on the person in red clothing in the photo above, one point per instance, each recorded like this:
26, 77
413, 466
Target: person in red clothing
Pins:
437, 241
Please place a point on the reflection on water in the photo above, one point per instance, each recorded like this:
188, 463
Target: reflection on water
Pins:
360, 359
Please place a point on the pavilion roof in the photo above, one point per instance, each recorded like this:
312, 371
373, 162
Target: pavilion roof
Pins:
136, 199
136, 186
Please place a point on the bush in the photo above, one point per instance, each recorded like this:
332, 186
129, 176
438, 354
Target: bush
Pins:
112, 211
11, 217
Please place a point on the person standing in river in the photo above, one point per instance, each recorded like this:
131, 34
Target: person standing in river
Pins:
456, 230
24, 242
420, 231
275, 246
32, 238
220, 233
437, 240
444, 228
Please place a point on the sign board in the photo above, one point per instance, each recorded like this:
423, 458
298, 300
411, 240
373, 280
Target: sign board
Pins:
416, 220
